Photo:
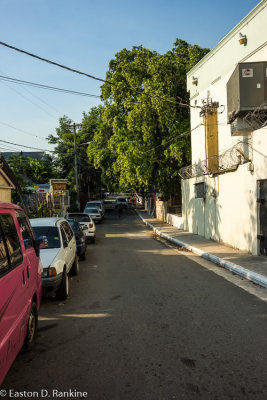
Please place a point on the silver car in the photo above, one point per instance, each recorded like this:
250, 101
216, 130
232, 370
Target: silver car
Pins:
87, 225
95, 213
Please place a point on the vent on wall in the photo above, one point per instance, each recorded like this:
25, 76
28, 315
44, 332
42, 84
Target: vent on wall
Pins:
200, 191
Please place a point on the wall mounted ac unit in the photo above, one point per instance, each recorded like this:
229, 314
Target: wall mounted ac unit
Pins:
246, 91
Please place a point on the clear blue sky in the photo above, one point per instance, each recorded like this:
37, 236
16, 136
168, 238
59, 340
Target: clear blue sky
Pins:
85, 35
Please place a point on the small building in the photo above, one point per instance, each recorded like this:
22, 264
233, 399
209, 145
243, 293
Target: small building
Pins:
224, 191
8, 181
36, 155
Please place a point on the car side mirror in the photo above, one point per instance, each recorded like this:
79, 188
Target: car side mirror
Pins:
36, 247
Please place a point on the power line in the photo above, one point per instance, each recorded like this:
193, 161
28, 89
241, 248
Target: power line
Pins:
21, 130
32, 102
53, 63
92, 76
41, 86
33, 95
28, 147
5, 148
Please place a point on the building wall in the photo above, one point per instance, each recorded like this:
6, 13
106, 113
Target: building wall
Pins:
161, 207
5, 194
229, 212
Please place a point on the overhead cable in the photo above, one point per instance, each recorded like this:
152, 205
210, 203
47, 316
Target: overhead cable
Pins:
41, 86
179, 103
52, 62
21, 130
28, 147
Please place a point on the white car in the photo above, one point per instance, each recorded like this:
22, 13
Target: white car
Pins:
58, 254
95, 213
87, 225
96, 204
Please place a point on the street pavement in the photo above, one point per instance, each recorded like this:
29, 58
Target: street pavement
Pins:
240, 262
145, 322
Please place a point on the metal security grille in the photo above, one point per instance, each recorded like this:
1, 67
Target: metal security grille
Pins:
225, 162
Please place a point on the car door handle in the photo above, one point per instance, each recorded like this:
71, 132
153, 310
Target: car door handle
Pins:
28, 272
23, 278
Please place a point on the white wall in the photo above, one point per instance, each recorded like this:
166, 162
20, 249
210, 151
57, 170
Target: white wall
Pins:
229, 212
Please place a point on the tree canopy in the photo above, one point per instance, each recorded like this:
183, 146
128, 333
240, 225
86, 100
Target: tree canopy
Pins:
30, 170
142, 136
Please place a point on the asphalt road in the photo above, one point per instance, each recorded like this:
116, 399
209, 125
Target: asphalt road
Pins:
144, 322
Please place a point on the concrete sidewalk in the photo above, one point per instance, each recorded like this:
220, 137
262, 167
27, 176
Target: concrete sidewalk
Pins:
253, 268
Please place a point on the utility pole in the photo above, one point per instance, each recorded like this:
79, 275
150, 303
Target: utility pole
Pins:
74, 126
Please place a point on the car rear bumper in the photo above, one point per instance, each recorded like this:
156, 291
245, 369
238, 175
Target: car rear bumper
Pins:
89, 234
52, 283
97, 219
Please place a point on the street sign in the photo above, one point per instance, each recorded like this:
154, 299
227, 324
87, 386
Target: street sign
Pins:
59, 186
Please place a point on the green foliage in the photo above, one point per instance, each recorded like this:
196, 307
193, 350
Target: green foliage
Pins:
29, 170
140, 141
140, 136
18, 165
42, 211
64, 140
40, 171
64, 160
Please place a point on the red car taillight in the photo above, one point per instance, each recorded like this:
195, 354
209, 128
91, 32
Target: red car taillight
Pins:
90, 225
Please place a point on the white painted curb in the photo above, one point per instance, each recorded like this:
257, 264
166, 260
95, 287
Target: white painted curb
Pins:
237, 269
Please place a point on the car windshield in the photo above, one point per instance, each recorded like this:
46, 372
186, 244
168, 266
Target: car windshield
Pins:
81, 217
51, 233
74, 225
94, 204
91, 211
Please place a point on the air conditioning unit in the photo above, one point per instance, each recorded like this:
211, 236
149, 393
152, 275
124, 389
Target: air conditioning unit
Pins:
246, 91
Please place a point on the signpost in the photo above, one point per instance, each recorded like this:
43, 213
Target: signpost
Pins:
60, 195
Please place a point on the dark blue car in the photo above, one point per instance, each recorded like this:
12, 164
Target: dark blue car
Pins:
81, 242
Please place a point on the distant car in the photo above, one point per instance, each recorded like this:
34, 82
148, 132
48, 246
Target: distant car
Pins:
87, 224
122, 202
95, 213
110, 204
96, 204
58, 254
81, 240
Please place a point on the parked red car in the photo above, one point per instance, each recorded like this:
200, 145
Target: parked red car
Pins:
20, 284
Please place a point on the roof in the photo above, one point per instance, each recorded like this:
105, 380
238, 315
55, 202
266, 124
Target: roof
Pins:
37, 155
46, 221
9, 205
8, 173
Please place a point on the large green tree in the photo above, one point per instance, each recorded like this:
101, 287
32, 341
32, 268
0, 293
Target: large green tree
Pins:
89, 177
143, 133
30, 170
64, 149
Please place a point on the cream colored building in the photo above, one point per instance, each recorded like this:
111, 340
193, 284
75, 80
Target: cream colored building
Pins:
225, 189
8, 182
